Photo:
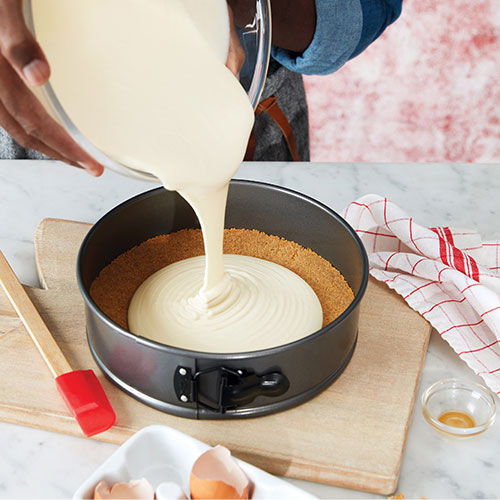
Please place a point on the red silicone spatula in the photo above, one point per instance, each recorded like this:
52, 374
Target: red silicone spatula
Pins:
80, 389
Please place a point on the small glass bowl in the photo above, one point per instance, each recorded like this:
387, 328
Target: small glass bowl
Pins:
451, 394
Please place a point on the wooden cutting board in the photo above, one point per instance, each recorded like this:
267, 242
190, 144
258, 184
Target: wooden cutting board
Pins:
351, 435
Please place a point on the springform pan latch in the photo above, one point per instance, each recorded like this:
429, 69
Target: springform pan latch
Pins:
220, 389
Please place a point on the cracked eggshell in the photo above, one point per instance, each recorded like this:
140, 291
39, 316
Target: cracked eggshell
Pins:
139, 489
216, 475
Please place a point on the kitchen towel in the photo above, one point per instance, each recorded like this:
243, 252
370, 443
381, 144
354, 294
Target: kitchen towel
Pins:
451, 277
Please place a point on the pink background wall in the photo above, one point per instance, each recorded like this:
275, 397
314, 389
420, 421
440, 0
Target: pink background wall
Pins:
427, 90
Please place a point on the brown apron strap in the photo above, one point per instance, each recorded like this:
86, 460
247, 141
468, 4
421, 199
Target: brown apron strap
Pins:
250, 152
270, 106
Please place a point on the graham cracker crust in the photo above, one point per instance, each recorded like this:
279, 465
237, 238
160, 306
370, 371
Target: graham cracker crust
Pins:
116, 284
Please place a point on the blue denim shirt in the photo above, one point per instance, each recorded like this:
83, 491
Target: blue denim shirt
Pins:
344, 28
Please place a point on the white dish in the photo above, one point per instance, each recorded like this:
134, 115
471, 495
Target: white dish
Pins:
162, 454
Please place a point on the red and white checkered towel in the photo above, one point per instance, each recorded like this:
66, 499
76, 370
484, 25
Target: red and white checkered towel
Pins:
450, 277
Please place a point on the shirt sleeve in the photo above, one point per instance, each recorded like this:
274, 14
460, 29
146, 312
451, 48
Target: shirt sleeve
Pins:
344, 28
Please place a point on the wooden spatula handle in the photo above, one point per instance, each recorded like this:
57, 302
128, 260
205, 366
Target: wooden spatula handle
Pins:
32, 320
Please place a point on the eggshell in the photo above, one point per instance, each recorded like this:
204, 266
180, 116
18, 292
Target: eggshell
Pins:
216, 475
139, 489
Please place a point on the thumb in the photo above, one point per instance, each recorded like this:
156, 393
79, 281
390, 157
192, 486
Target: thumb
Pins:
18, 45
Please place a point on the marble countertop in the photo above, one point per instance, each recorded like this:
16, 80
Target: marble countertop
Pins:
41, 464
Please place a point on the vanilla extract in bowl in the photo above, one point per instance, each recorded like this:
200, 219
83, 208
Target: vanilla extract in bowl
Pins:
457, 418
459, 408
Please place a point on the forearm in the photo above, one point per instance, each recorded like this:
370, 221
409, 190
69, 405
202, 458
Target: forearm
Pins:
294, 22
344, 28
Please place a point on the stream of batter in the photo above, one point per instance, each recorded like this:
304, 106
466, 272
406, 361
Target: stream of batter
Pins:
146, 82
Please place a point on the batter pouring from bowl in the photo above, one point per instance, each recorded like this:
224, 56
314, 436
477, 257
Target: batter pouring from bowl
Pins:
202, 125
